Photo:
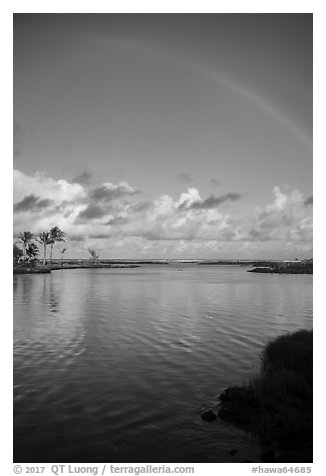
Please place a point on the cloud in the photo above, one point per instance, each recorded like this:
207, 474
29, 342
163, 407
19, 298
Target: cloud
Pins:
43, 186
196, 203
287, 218
165, 221
214, 201
91, 212
99, 236
188, 198
118, 220
109, 191
32, 203
213, 181
76, 238
105, 200
309, 201
141, 206
184, 177
109, 218
84, 178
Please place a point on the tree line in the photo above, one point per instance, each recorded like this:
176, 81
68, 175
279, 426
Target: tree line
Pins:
30, 249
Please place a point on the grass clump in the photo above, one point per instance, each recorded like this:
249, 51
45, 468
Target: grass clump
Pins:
277, 406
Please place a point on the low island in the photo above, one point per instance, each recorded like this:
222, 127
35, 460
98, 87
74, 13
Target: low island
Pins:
26, 255
304, 266
37, 267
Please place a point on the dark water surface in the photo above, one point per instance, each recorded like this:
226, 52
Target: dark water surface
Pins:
117, 365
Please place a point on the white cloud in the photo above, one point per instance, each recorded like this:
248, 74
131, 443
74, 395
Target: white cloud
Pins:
286, 218
163, 228
45, 187
188, 198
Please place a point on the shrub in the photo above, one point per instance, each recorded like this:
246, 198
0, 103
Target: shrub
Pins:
277, 405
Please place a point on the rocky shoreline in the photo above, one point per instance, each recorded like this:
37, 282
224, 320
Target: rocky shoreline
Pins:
277, 406
38, 269
31, 270
284, 267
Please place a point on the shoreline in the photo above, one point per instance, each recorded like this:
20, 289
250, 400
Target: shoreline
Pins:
49, 268
263, 267
281, 270
276, 407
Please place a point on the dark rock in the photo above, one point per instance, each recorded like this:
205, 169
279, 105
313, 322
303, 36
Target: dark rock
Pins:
234, 394
276, 407
209, 415
268, 456
233, 452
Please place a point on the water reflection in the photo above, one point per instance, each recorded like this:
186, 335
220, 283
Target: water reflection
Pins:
103, 356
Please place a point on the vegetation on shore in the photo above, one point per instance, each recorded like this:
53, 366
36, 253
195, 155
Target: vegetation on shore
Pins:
27, 255
25, 258
284, 267
277, 406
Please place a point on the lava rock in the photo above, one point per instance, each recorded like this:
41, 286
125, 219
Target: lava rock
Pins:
233, 452
268, 456
209, 415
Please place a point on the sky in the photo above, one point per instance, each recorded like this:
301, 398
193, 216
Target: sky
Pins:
165, 135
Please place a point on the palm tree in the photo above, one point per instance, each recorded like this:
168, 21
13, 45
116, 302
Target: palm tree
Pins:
62, 250
45, 239
56, 235
32, 251
17, 254
25, 238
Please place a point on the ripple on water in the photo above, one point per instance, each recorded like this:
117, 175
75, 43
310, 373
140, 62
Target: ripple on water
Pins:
116, 365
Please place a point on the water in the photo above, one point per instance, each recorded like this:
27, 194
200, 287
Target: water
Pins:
117, 365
